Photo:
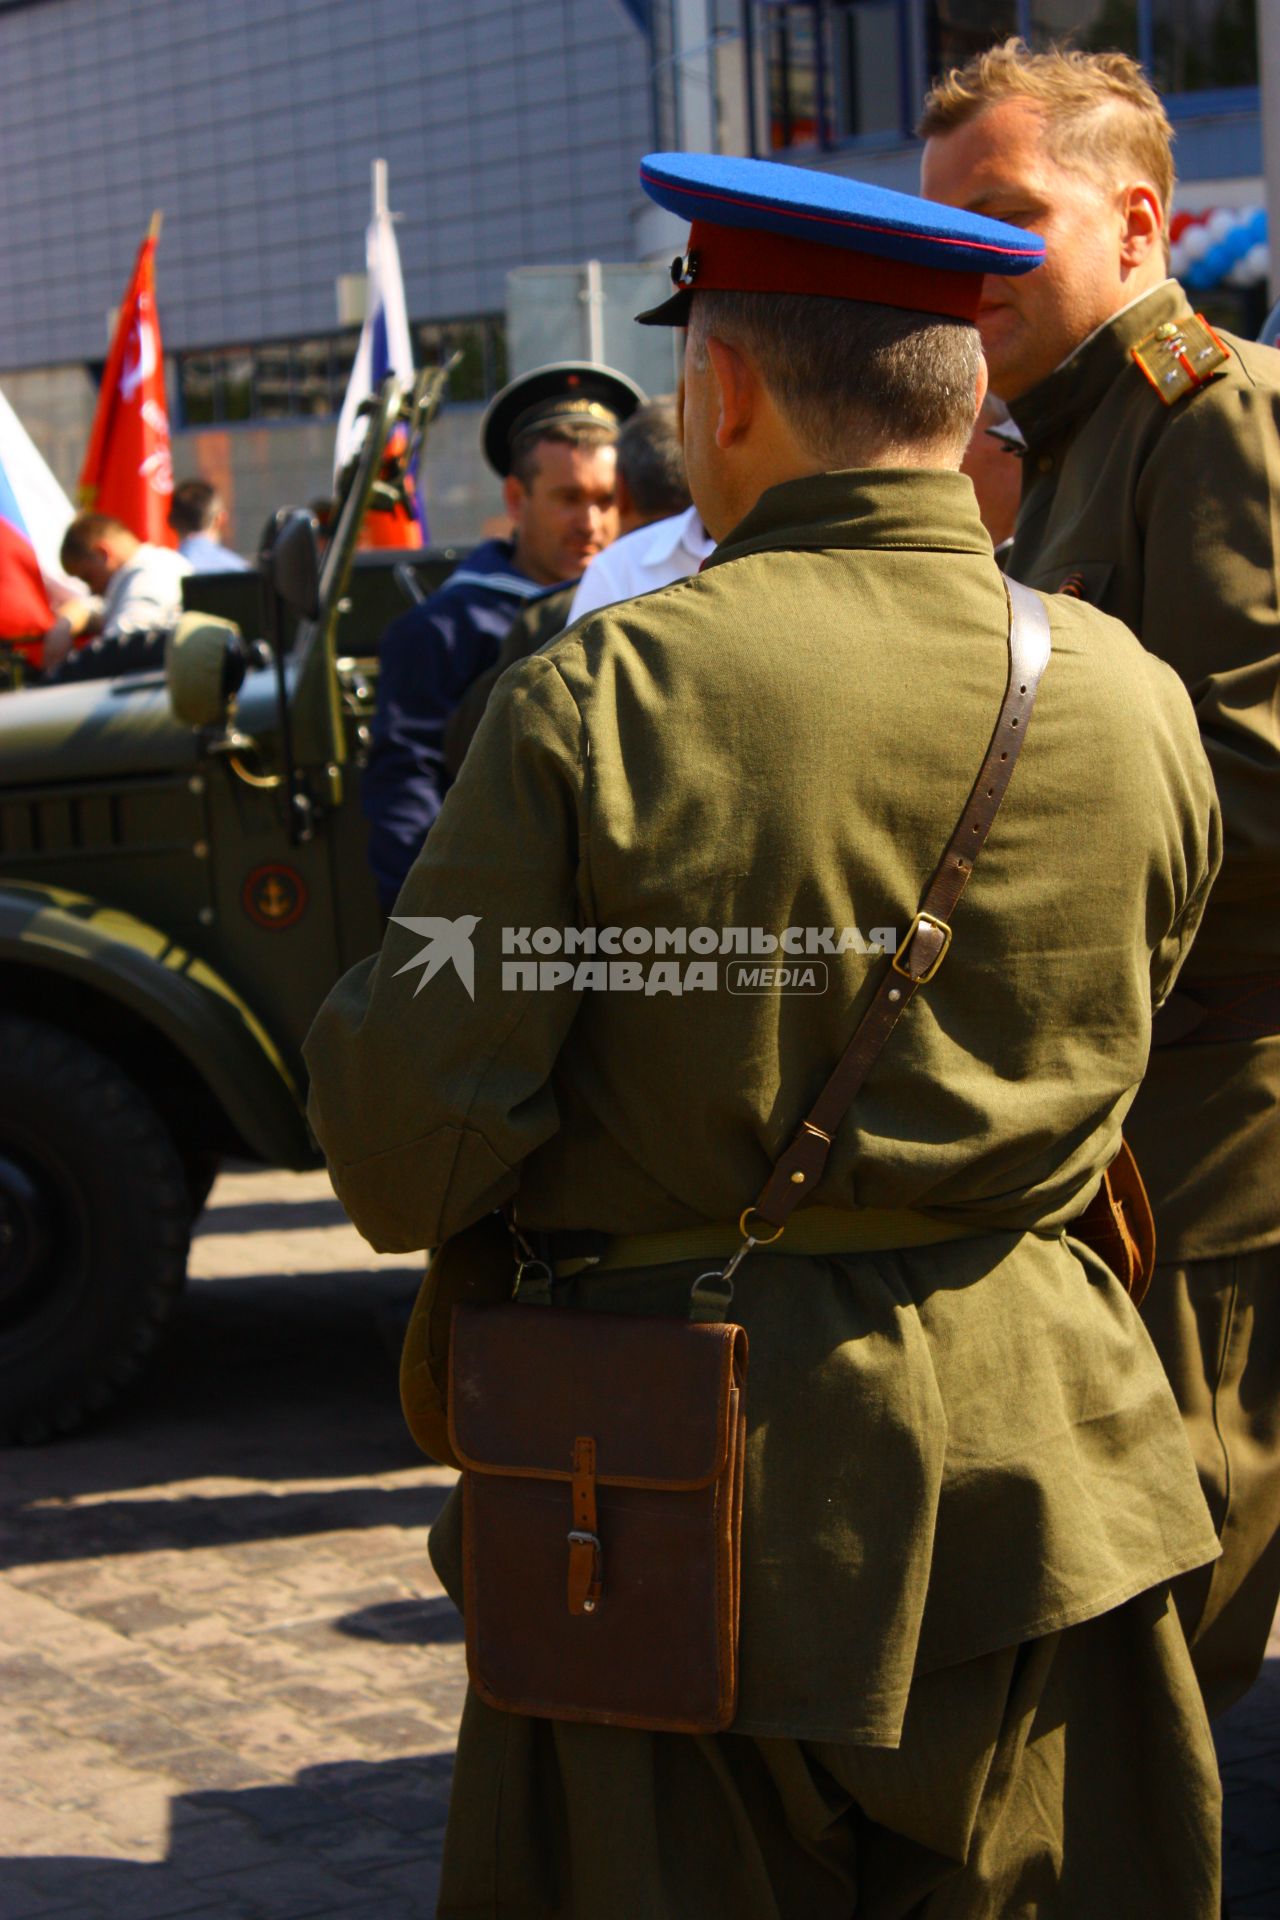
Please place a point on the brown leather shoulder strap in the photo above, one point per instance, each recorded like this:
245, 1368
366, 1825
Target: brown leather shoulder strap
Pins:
917, 960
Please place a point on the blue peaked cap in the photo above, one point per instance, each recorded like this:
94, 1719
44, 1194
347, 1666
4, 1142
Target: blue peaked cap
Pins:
808, 228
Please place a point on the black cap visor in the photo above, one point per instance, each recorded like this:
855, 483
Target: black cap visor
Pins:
672, 313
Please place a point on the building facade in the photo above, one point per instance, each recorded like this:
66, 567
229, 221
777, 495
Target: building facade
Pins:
511, 129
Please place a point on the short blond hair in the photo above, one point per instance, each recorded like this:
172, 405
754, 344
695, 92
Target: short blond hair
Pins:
1102, 114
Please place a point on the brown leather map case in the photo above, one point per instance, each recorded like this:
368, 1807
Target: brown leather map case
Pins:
602, 1483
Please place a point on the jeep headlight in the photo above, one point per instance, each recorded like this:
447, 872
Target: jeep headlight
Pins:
205, 661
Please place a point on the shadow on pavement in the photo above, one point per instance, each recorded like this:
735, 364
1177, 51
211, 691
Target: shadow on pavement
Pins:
415, 1623
353, 1838
262, 1378
305, 1361
47, 1535
1248, 1742
269, 1216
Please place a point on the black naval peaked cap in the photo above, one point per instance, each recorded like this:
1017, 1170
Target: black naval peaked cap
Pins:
566, 390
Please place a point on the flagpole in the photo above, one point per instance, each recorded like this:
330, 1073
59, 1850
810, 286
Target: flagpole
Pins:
157, 221
379, 189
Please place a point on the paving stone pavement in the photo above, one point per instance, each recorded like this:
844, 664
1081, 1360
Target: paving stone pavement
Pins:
229, 1681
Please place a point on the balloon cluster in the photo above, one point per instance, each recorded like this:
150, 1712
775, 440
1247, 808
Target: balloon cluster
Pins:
1227, 244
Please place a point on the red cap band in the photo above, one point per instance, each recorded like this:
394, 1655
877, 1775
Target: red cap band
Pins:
751, 260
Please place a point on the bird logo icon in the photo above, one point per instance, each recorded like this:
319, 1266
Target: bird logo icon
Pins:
447, 940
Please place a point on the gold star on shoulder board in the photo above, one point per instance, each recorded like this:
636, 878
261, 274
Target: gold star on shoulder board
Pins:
1180, 355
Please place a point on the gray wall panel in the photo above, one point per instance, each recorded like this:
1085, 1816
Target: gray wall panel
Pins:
511, 128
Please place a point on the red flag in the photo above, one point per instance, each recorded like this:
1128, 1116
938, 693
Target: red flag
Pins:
127, 470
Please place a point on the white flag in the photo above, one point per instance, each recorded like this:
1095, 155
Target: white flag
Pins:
385, 346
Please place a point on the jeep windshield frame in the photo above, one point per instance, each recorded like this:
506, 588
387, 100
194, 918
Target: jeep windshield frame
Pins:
319, 737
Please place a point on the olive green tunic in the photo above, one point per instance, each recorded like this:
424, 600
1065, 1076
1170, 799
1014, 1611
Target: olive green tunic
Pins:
1069, 1779
1166, 517
952, 1449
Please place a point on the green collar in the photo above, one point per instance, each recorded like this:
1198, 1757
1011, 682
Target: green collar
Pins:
925, 508
1073, 390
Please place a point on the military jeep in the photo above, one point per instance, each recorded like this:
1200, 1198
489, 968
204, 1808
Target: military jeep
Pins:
182, 878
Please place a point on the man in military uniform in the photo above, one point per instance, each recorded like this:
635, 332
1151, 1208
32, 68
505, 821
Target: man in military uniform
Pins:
964, 1687
1152, 489
550, 436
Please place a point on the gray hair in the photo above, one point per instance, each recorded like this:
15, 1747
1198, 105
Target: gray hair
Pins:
852, 378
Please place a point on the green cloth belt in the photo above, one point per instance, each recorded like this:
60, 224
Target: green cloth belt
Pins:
814, 1230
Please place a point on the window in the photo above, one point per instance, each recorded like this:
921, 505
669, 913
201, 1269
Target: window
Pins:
840, 70
795, 77
307, 379
1201, 45
956, 29
279, 380
868, 69
1091, 24
1189, 46
482, 343
833, 71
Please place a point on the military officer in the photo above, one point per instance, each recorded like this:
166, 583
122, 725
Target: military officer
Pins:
1152, 489
550, 436
964, 1688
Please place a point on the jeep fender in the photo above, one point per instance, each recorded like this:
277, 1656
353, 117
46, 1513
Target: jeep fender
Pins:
181, 997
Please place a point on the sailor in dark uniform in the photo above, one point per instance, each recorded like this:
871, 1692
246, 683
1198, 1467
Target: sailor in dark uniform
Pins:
550, 435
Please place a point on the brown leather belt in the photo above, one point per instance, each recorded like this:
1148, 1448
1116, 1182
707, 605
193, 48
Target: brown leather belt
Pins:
1206, 1013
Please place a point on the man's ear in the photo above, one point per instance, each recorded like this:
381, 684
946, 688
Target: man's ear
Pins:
514, 495
1142, 224
622, 500
736, 379
980, 391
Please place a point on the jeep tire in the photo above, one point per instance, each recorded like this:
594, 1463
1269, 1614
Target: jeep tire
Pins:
95, 1216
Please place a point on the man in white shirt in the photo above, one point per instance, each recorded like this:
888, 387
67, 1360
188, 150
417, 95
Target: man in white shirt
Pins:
136, 588
667, 540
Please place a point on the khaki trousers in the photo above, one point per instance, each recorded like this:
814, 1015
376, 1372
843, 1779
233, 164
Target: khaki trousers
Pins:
1072, 1778
1216, 1327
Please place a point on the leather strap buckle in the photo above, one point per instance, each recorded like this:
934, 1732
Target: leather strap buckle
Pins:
586, 1560
533, 1283
927, 927
586, 1565
711, 1296
761, 1238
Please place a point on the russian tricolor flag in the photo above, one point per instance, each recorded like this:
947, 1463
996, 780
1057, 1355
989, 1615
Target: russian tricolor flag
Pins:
385, 346
34, 515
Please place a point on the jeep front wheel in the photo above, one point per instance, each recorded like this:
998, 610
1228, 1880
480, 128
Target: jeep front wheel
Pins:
95, 1215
